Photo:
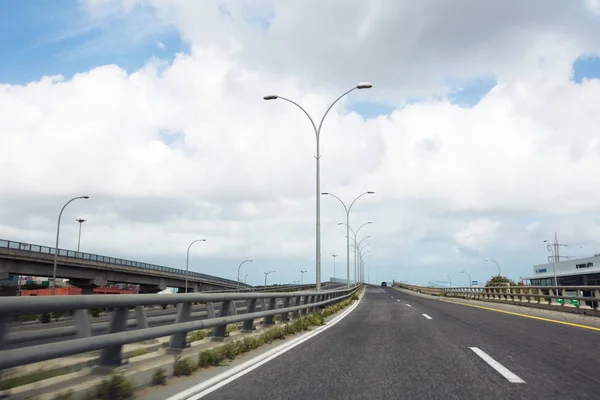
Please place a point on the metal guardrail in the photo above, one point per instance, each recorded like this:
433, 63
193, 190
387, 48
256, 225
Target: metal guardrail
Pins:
111, 344
579, 297
34, 248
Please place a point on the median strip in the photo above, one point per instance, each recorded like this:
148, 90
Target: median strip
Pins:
502, 370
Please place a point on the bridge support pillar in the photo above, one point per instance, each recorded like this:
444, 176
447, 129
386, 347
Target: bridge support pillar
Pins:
87, 286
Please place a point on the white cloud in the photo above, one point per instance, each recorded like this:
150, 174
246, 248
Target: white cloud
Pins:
451, 183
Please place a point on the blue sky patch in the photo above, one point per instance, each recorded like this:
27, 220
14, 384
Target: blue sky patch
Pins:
586, 68
50, 37
469, 94
370, 110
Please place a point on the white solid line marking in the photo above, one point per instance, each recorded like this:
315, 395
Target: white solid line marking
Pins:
497, 366
407, 305
210, 385
427, 316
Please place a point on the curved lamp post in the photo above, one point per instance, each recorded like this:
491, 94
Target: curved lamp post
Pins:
302, 277
355, 233
317, 131
470, 281
187, 261
494, 261
266, 274
240, 266
347, 209
57, 236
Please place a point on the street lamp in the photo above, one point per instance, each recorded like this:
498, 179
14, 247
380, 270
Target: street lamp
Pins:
302, 277
494, 261
334, 256
246, 277
363, 258
266, 274
81, 221
238, 279
347, 209
187, 261
360, 250
355, 235
57, 236
449, 280
470, 281
317, 131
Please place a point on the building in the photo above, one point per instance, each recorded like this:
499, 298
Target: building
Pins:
577, 272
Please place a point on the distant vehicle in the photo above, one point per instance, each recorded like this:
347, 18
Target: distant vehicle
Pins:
383, 284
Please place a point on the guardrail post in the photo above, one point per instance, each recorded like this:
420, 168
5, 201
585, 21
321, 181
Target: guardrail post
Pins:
140, 317
82, 324
218, 333
178, 340
248, 325
111, 356
308, 300
263, 305
3, 328
295, 302
210, 310
272, 305
233, 309
284, 317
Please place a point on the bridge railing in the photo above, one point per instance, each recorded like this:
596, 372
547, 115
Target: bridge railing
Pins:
293, 304
579, 298
34, 248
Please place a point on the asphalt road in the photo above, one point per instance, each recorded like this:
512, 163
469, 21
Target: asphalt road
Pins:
385, 349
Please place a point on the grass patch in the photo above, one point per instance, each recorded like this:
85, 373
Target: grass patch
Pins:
115, 387
183, 368
197, 335
159, 377
35, 376
138, 352
232, 328
28, 317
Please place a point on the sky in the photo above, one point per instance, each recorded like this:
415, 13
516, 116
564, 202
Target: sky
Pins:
479, 136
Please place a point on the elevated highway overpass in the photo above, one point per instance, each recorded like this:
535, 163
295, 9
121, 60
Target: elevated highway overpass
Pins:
88, 271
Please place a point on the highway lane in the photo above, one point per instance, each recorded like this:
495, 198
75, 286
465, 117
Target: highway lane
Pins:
387, 348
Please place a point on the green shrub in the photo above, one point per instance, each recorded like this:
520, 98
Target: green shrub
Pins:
159, 377
115, 387
28, 317
354, 297
212, 357
36, 376
58, 315
138, 352
95, 312
232, 328
182, 368
196, 335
